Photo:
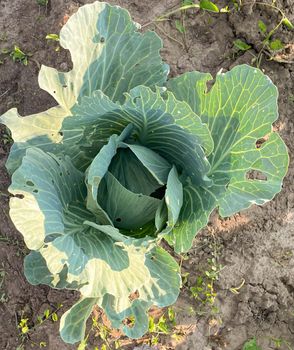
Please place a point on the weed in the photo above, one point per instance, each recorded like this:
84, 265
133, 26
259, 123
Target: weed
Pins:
42, 2
279, 342
235, 290
100, 330
19, 56
6, 138
241, 45
25, 329
269, 45
23, 325
251, 345
203, 290
55, 39
165, 325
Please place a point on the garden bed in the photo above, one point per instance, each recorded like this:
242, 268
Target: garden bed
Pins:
252, 252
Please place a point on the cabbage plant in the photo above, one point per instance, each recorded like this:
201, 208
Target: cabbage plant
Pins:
128, 158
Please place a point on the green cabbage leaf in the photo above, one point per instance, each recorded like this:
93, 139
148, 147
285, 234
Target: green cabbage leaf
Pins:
127, 159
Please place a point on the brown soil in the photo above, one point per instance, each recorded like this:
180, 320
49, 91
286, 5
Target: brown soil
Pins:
256, 245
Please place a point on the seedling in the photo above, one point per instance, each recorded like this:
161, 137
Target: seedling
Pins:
54, 37
236, 290
203, 291
18, 55
269, 45
42, 2
241, 45
251, 345
280, 342
27, 326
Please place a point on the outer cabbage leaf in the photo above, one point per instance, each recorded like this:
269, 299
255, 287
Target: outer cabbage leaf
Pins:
72, 325
239, 111
108, 54
49, 210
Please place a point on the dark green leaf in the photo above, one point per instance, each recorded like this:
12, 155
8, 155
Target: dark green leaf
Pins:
132, 174
157, 165
127, 210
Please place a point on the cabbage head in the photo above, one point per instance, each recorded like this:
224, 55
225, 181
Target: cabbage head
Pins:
127, 159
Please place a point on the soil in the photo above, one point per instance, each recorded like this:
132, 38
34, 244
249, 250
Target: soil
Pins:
255, 247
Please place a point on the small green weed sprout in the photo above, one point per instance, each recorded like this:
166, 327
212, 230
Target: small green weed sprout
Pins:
251, 345
23, 325
203, 291
54, 38
165, 325
18, 55
42, 2
241, 45
100, 330
269, 45
27, 326
235, 290
280, 342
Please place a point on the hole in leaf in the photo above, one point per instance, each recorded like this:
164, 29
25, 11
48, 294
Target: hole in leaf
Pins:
256, 175
20, 196
118, 219
135, 295
64, 86
102, 39
60, 133
35, 191
30, 183
60, 174
54, 92
129, 321
159, 192
260, 141
209, 85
